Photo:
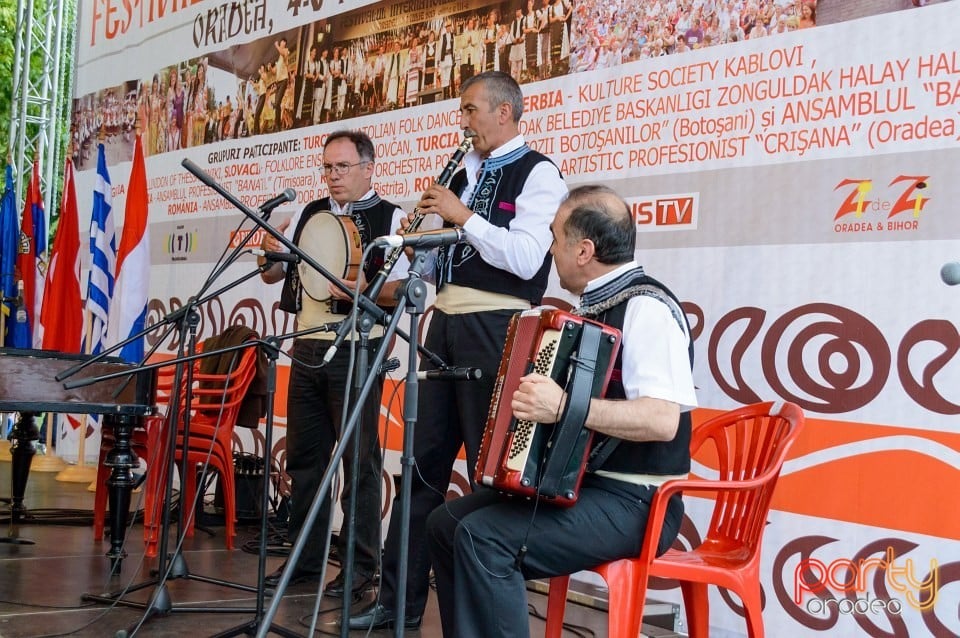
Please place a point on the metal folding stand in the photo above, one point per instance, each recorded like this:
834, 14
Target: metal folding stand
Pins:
249, 628
414, 292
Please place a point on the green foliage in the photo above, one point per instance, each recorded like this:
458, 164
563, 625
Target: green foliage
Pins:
8, 25
8, 37
8, 33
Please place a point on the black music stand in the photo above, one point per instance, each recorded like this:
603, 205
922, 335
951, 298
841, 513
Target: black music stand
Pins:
187, 319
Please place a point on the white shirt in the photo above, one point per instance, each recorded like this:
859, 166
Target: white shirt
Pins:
520, 247
655, 360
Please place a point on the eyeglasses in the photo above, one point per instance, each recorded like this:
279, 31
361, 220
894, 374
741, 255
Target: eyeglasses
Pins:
341, 168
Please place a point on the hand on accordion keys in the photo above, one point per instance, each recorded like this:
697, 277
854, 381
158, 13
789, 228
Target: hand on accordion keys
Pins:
538, 398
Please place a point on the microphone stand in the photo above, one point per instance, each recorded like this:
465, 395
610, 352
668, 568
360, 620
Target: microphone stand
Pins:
346, 438
271, 350
357, 400
172, 319
414, 293
371, 312
173, 566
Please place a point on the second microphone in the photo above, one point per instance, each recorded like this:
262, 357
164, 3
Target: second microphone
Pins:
428, 239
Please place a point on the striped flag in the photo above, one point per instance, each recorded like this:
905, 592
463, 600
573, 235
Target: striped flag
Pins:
103, 257
32, 261
128, 315
9, 249
61, 317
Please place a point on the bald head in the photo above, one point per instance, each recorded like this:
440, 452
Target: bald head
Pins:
599, 214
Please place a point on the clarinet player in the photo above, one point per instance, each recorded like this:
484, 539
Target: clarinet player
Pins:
504, 199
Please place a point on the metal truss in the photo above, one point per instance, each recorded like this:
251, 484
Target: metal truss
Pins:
44, 33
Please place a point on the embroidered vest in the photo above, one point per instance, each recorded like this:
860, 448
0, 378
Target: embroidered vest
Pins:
501, 181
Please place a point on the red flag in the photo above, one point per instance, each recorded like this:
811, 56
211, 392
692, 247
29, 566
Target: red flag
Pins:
128, 312
62, 314
32, 260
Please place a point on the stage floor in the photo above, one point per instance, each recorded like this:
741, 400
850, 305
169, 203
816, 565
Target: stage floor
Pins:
41, 585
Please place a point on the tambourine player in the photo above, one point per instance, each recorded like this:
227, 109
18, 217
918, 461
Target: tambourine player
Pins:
341, 225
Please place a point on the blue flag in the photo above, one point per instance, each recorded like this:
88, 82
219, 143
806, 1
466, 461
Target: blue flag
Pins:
9, 248
103, 257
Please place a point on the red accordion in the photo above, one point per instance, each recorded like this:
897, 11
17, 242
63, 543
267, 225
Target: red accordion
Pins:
546, 461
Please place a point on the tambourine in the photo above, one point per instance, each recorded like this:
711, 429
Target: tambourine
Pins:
334, 242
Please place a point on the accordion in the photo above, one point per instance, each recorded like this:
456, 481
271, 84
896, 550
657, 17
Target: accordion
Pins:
546, 461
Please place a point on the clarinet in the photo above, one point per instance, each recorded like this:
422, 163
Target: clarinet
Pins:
372, 291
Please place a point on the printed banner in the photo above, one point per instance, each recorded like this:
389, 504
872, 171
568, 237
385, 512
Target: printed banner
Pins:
790, 166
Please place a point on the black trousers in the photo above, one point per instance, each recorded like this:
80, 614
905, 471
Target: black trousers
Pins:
315, 399
450, 414
278, 102
261, 101
475, 542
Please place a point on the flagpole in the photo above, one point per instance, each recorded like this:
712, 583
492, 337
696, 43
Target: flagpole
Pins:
81, 472
4, 443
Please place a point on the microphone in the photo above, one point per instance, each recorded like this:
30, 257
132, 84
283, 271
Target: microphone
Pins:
199, 173
450, 374
950, 273
286, 196
270, 255
428, 239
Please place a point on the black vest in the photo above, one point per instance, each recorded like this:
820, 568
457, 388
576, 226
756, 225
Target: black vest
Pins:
372, 216
501, 181
446, 44
637, 457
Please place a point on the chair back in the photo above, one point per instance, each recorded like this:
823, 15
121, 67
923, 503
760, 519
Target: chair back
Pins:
745, 447
740, 453
212, 394
217, 397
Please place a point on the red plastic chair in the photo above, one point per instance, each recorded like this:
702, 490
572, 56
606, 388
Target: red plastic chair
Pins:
215, 404
747, 447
